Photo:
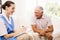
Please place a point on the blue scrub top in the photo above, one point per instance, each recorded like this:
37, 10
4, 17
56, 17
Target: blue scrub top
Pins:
10, 28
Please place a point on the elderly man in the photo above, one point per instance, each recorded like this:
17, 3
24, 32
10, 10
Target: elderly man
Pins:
42, 24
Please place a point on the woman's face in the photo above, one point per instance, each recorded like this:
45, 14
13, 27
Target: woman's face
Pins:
10, 9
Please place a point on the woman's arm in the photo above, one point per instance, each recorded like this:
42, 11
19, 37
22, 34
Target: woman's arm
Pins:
10, 35
17, 31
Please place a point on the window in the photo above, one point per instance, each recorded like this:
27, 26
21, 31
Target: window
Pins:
51, 7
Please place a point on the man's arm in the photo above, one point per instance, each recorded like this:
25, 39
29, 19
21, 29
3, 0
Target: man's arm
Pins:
40, 31
34, 27
50, 29
50, 25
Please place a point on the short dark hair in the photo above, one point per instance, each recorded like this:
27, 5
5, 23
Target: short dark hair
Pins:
8, 4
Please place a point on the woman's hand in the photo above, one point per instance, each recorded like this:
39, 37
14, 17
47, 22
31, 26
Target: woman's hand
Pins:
9, 35
23, 29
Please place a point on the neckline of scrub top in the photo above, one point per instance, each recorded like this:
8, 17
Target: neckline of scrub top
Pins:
9, 21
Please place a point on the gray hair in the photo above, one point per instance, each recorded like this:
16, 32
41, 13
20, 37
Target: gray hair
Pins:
40, 7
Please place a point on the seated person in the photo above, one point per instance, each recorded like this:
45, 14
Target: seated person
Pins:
42, 24
8, 30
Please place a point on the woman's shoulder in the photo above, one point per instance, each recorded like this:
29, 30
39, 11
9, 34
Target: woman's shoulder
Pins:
1, 20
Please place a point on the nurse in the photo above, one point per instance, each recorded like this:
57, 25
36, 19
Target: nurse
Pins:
7, 31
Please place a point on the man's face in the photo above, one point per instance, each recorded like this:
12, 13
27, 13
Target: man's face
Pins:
11, 9
38, 13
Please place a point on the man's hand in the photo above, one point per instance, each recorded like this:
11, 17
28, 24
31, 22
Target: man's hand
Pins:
42, 33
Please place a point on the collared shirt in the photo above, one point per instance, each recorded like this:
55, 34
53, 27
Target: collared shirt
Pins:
42, 23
